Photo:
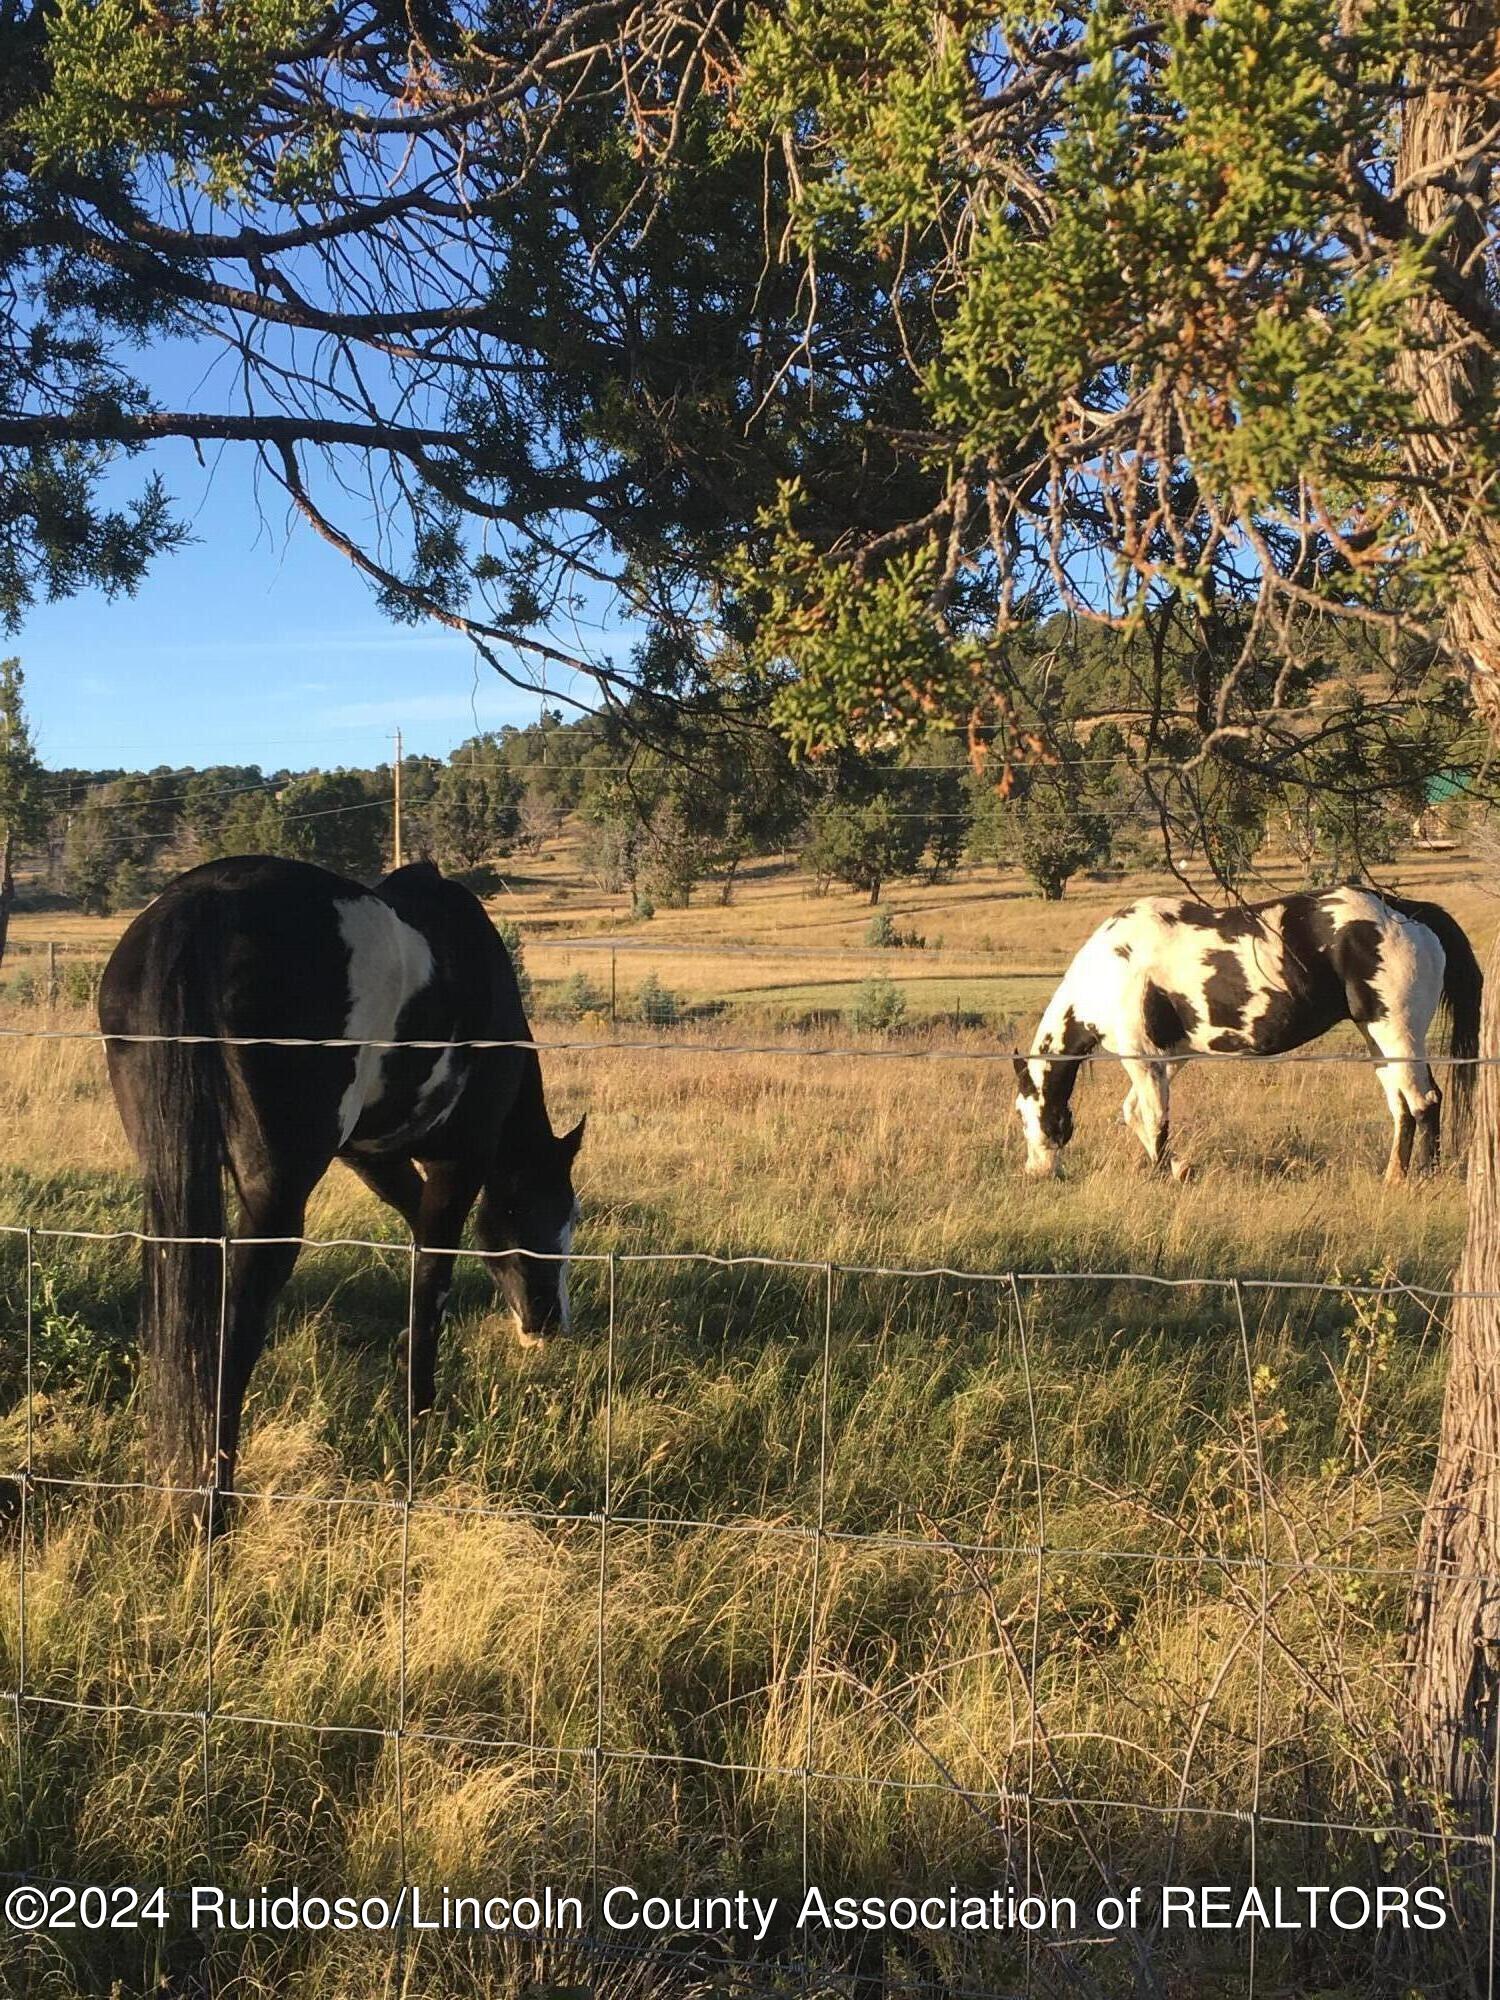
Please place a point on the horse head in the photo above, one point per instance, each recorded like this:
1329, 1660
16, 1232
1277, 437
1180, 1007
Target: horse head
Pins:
531, 1214
1045, 1114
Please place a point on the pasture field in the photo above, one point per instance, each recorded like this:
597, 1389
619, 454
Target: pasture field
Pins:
780, 950
845, 1563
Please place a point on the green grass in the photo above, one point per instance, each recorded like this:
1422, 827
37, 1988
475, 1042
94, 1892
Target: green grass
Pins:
928, 995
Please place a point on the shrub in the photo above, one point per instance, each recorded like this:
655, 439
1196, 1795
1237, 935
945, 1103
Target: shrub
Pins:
578, 996
79, 982
656, 1004
510, 937
25, 987
883, 931
879, 1005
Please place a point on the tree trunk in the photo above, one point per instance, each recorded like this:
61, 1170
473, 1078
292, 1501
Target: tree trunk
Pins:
1451, 372
7, 888
1454, 1634
1455, 1624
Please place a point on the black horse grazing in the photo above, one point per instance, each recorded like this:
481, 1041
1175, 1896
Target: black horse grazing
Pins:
262, 947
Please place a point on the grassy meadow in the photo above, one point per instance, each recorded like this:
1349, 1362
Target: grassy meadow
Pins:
846, 1563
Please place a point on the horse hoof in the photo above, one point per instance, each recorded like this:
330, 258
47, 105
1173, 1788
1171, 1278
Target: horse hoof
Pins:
505, 1326
1183, 1170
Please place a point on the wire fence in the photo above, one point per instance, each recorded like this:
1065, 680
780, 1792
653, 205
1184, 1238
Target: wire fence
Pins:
875, 1049
1259, 1561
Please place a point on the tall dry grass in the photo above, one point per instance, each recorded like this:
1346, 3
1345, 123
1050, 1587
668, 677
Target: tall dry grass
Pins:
499, 1687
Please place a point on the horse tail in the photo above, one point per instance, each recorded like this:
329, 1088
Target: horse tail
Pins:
1463, 993
179, 1096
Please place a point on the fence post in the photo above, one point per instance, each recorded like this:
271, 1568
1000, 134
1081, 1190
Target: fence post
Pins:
51, 973
612, 956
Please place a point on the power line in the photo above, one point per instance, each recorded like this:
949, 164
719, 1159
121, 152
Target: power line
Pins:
87, 804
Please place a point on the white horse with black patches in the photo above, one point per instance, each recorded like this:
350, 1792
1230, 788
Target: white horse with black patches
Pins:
1169, 977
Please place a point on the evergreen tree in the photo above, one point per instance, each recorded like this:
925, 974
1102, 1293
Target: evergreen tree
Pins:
23, 789
473, 814
863, 843
339, 819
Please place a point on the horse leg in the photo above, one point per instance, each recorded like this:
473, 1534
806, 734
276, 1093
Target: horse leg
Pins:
435, 1210
271, 1205
1403, 1123
397, 1183
1404, 1131
448, 1193
1404, 1128
1147, 1108
1414, 1099
1429, 1132
399, 1186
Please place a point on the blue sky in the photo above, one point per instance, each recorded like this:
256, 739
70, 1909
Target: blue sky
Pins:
258, 644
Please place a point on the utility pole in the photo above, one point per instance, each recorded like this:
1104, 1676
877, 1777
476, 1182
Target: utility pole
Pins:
396, 861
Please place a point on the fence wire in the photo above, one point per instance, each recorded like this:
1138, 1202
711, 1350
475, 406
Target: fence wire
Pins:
1255, 1578
664, 1043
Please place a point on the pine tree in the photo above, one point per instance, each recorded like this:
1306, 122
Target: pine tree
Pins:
23, 791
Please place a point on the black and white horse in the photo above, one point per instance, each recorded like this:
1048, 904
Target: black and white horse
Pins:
1167, 976
263, 947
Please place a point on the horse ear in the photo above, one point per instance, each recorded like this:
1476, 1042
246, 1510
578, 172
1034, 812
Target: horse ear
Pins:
1018, 1061
571, 1141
